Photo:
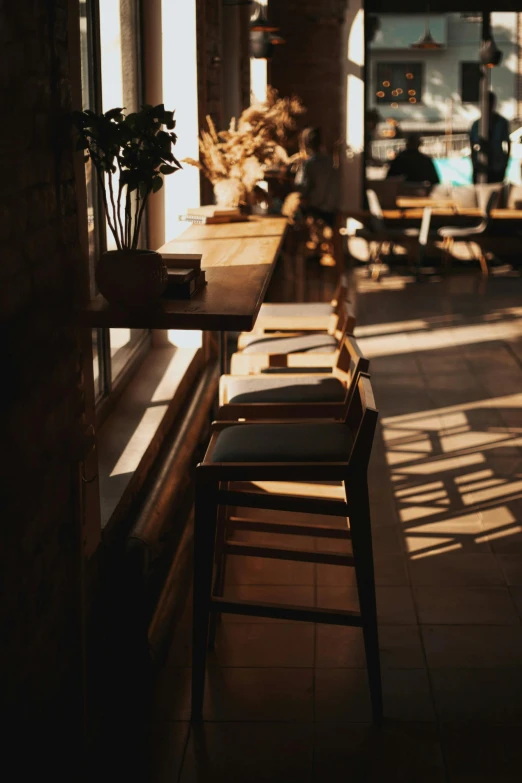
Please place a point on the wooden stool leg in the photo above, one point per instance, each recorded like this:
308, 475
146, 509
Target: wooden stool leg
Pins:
221, 565
205, 515
360, 527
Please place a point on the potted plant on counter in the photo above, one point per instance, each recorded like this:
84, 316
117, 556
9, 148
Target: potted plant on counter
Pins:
129, 153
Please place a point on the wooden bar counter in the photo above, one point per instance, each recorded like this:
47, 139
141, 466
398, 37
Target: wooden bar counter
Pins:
238, 259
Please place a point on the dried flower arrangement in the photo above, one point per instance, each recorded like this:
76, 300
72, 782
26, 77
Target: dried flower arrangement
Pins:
235, 159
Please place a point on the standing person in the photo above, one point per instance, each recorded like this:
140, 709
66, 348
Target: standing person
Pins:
497, 149
413, 165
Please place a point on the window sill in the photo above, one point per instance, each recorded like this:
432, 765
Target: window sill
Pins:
132, 435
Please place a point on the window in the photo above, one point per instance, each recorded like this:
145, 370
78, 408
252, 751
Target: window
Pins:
398, 83
109, 32
470, 75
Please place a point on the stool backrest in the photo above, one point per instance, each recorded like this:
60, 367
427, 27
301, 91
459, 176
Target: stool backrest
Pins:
341, 291
351, 362
361, 417
342, 320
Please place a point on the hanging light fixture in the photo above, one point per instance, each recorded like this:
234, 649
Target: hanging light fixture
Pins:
258, 21
427, 41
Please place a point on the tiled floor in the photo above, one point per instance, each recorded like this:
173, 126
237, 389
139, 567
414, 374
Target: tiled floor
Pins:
288, 701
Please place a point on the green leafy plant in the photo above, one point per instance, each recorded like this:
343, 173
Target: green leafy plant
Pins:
130, 153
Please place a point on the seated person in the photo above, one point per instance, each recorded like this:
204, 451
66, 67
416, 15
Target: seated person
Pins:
414, 165
317, 179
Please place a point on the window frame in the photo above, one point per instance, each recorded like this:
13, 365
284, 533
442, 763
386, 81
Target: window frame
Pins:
462, 65
109, 389
399, 100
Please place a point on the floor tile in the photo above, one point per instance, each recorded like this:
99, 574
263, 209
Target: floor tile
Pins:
456, 568
464, 605
259, 694
389, 570
337, 647
394, 604
482, 753
516, 596
253, 752
282, 594
265, 644
511, 566
470, 646
166, 744
395, 753
343, 695
263, 571
478, 695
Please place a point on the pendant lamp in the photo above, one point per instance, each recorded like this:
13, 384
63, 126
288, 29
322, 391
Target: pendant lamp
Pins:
427, 41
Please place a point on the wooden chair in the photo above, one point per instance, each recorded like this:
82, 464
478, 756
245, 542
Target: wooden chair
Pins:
300, 350
292, 452
469, 234
291, 396
333, 326
300, 317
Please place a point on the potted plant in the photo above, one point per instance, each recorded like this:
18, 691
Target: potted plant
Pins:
129, 153
234, 160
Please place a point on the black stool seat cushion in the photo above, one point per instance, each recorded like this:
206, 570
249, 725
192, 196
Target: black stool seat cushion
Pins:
302, 343
300, 310
280, 389
328, 442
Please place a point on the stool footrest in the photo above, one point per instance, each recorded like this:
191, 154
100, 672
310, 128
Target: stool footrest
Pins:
305, 505
285, 612
284, 553
287, 528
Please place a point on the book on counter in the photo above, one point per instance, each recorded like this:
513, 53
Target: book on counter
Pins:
184, 282
213, 214
182, 261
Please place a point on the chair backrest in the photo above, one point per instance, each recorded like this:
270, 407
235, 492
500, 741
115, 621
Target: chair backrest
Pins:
493, 199
484, 193
341, 291
343, 320
377, 218
425, 226
361, 417
350, 361
491, 203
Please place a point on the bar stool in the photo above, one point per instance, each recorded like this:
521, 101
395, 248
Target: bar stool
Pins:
292, 452
287, 396
302, 316
282, 350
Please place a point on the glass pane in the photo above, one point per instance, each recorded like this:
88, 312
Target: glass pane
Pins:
181, 190
120, 88
124, 344
119, 69
96, 358
87, 91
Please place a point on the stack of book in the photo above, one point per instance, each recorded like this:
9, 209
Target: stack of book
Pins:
186, 277
213, 214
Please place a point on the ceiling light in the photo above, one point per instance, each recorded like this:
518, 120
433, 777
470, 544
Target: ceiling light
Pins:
427, 41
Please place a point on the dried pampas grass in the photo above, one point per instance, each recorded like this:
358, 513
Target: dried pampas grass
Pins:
253, 143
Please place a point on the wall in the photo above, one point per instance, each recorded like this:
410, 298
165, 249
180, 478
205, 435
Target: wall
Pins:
442, 71
42, 280
213, 42
309, 64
